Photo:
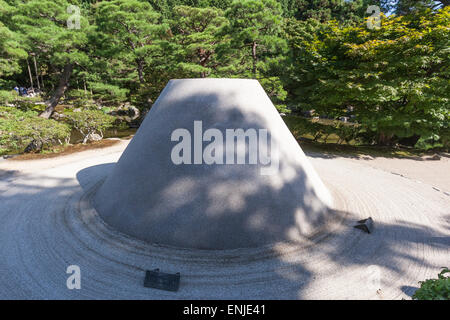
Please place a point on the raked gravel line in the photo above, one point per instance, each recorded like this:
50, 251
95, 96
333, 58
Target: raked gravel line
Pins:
411, 241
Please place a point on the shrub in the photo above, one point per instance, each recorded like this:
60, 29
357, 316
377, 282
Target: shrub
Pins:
324, 129
21, 130
16, 113
79, 98
434, 289
108, 94
8, 96
282, 108
30, 103
334, 68
89, 122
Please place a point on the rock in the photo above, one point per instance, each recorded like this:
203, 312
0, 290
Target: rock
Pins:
34, 146
94, 137
433, 157
126, 112
58, 116
365, 225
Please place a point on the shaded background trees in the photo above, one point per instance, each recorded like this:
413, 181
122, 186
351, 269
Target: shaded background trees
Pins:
45, 35
255, 47
391, 82
394, 80
195, 34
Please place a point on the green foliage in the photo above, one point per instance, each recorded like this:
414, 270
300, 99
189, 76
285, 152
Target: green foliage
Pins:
15, 113
196, 35
394, 78
307, 55
325, 10
20, 128
10, 49
166, 7
300, 9
89, 122
10, 52
254, 47
79, 98
29, 104
107, 94
43, 28
8, 96
320, 130
402, 7
282, 108
129, 35
254, 30
430, 141
434, 289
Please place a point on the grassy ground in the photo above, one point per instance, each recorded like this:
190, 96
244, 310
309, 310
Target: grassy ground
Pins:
76, 137
361, 151
307, 146
330, 146
65, 150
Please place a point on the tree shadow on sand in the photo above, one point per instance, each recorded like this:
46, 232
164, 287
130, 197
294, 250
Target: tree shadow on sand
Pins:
399, 250
332, 263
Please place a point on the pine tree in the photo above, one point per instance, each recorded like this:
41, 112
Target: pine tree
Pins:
324, 10
131, 39
196, 35
50, 28
402, 7
255, 47
11, 51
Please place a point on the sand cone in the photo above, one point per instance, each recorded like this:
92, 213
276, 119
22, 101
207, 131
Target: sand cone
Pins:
186, 181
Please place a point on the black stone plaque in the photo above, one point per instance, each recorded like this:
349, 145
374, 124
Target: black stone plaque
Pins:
365, 225
161, 280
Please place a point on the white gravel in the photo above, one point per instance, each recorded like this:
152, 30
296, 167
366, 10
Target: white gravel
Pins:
47, 224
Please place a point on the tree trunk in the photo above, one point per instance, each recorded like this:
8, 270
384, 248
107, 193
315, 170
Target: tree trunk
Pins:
86, 138
204, 58
31, 76
385, 139
59, 92
140, 70
255, 58
36, 71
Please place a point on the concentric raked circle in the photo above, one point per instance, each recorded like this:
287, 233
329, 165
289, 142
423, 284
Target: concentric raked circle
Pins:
48, 224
